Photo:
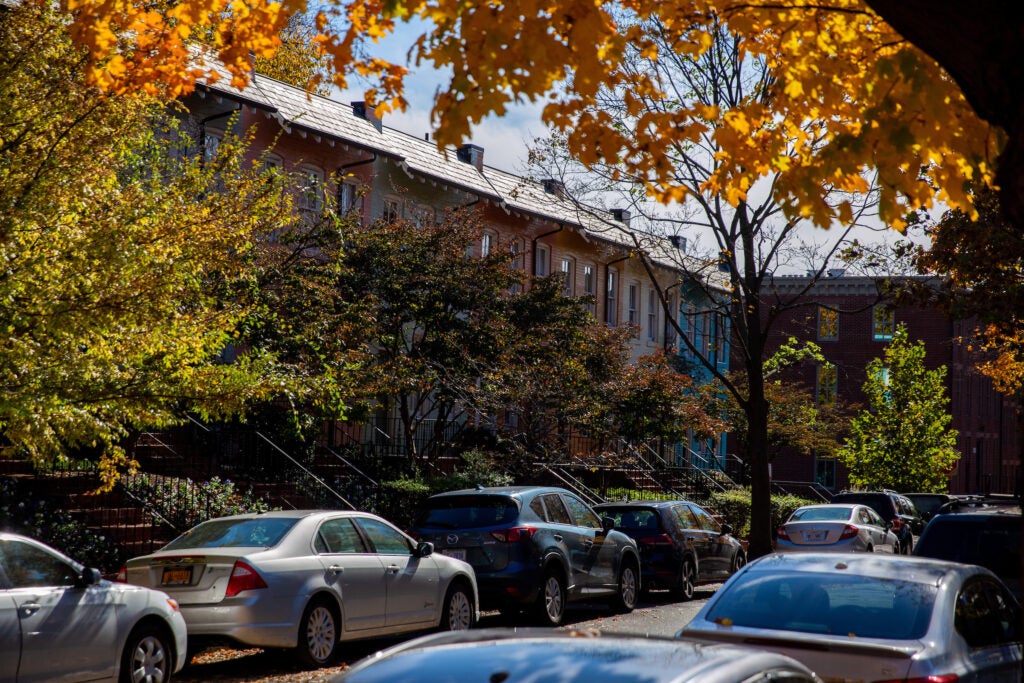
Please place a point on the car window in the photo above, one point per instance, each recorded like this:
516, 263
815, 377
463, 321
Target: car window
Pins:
468, 512
27, 566
556, 512
339, 536
820, 514
706, 521
632, 518
873, 517
580, 513
229, 533
386, 539
865, 517
993, 542
684, 517
862, 606
982, 617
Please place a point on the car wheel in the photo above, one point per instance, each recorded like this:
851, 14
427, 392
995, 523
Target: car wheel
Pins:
318, 635
687, 580
739, 560
625, 597
551, 601
147, 656
869, 549
458, 609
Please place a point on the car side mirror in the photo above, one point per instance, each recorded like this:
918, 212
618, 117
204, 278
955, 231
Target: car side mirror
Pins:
90, 576
424, 549
727, 529
607, 524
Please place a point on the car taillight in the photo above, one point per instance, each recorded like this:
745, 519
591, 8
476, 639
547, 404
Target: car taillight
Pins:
243, 578
897, 524
122, 574
781, 534
935, 678
514, 534
849, 531
660, 539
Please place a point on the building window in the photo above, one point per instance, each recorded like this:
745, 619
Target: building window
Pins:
272, 161
588, 286
883, 323
568, 276
516, 248
486, 244
611, 298
827, 379
541, 260
825, 472
211, 143
348, 198
311, 181
392, 210
633, 304
652, 315
423, 215
828, 324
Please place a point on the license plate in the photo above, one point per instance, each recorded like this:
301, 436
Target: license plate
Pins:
814, 536
456, 553
176, 576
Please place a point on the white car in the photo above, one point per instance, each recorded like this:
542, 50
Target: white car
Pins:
845, 527
307, 580
878, 618
59, 621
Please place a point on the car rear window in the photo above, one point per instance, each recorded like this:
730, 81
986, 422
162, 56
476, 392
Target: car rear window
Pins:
821, 514
928, 504
992, 541
852, 605
468, 512
631, 518
234, 533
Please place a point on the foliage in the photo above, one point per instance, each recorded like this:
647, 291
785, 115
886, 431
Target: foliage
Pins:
877, 100
115, 235
903, 440
300, 60
981, 264
44, 520
734, 507
183, 503
401, 500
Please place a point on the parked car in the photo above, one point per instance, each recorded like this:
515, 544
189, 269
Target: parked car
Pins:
61, 621
533, 547
880, 618
976, 532
928, 504
681, 545
518, 656
307, 580
849, 528
891, 507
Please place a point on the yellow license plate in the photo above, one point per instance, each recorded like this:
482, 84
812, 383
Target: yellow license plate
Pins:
177, 576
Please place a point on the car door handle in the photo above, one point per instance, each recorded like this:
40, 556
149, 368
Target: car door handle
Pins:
392, 569
588, 543
29, 608
335, 569
557, 537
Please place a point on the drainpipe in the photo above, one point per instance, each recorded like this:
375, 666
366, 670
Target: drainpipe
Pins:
533, 245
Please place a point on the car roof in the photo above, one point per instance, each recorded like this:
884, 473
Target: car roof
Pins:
502, 490
643, 504
541, 654
905, 567
291, 514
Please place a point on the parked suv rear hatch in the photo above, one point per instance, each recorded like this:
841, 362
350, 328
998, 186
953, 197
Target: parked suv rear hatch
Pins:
472, 527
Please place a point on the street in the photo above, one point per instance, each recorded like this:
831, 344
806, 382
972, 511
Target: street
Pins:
656, 614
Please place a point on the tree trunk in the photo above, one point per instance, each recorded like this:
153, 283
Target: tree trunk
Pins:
761, 530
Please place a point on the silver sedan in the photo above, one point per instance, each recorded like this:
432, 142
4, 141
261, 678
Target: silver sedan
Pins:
307, 580
843, 527
865, 617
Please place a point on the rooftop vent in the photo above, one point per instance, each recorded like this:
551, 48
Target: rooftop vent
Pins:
361, 111
471, 154
621, 215
555, 187
678, 241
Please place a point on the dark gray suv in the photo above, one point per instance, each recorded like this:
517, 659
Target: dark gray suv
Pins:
534, 548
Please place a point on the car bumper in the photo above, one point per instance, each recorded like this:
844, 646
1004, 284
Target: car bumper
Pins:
516, 585
257, 623
852, 545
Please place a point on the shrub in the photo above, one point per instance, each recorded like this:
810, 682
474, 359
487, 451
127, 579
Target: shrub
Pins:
183, 503
734, 507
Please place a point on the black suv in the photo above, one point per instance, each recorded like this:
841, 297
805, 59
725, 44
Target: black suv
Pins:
533, 547
978, 531
897, 510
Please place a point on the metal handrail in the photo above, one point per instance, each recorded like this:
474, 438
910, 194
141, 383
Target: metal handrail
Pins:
351, 466
302, 467
575, 485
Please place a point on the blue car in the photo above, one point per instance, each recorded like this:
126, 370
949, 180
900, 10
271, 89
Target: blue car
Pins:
533, 548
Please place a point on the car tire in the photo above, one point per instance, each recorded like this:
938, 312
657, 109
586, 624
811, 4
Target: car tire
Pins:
147, 656
550, 607
687, 580
739, 561
869, 549
627, 589
458, 609
319, 629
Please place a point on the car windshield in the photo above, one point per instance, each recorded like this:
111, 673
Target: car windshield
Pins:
928, 504
821, 514
231, 533
468, 512
848, 604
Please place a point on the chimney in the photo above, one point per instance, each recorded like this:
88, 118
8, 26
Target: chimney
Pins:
555, 187
678, 241
471, 154
361, 111
621, 215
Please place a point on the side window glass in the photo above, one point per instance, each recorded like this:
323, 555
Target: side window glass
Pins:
30, 567
706, 521
339, 536
386, 539
581, 514
1005, 610
537, 506
684, 517
557, 513
975, 619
